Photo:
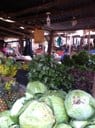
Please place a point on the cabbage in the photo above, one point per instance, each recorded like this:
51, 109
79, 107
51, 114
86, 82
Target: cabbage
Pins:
78, 124
79, 105
90, 126
5, 120
14, 126
58, 109
59, 93
5, 113
35, 87
28, 96
57, 105
17, 106
62, 125
92, 120
37, 115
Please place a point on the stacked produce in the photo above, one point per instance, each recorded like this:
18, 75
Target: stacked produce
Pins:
76, 72
9, 93
45, 105
9, 67
43, 108
3, 104
51, 73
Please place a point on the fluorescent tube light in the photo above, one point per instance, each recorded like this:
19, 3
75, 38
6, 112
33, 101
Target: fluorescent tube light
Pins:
7, 20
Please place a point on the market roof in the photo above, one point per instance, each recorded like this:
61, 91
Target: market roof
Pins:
30, 14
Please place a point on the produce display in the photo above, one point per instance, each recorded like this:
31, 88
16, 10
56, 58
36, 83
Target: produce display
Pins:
76, 72
50, 109
3, 105
9, 66
50, 98
9, 93
50, 72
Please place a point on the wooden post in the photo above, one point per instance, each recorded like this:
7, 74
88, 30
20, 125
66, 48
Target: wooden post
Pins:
66, 40
50, 42
88, 40
70, 46
21, 45
73, 41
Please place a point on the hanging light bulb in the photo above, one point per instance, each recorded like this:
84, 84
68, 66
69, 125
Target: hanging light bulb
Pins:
48, 20
74, 21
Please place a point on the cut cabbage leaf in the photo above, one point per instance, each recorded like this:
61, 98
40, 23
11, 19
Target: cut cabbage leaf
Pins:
58, 107
17, 106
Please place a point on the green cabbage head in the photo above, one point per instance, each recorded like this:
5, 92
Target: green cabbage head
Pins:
35, 87
37, 115
62, 125
78, 124
90, 126
79, 105
5, 120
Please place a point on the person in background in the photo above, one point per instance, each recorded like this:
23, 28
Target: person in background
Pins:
2, 45
66, 53
17, 52
59, 42
28, 49
8, 50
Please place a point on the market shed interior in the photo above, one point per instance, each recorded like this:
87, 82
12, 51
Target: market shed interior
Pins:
47, 63
32, 14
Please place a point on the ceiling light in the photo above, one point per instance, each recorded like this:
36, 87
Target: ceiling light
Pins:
21, 27
74, 21
7, 20
32, 31
48, 20
1, 18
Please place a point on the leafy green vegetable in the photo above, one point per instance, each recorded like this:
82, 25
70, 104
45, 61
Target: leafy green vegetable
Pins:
57, 104
78, 124
51, 73
14, 126
59, 93
79, 105
62, 125
15, 110
37, 115
35, 87
58, 109
90, 126
81, 58
5, 120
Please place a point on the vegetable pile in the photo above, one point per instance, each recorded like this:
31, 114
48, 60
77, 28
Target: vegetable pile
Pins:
43, 108
72, 73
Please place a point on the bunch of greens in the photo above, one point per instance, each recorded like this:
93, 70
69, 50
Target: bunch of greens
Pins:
51, 73
81, 58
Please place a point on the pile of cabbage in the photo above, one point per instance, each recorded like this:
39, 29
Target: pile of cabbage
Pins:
43, 108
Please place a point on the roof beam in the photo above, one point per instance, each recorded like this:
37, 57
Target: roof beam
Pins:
34, 9
12, 31
61, 14
7, 34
